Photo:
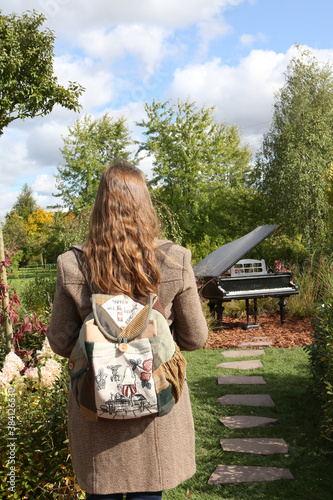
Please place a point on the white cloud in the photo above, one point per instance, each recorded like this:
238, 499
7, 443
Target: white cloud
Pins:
43, 145
7, 200
43, 189
146, 44
210, 30
133, 112
247, 40
91, 15
323, 55
242, 94
44, 185
109, 30
13, 156
98, 81
146, 165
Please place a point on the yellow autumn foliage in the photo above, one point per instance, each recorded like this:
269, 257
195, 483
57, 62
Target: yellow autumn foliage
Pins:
38, 220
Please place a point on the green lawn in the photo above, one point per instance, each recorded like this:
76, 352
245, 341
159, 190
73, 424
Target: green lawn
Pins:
18, 284
287, 374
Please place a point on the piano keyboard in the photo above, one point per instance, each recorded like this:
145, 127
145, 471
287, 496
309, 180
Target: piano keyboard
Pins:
259, 291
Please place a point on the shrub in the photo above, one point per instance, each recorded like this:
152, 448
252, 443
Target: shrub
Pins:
321, 360
36, 294
33, 411
290, 251
40, 456
314, 281
201, 249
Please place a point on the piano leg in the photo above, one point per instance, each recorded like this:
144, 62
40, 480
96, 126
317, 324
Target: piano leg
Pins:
211, 306
282, 303
216, 310
219, 314
255, 311
248, 324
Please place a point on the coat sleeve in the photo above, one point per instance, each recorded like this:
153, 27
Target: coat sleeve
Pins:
190, 326
66, 322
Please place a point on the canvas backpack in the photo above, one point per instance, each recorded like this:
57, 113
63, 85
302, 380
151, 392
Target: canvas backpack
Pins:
125, 363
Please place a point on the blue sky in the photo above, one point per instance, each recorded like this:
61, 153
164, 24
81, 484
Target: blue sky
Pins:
228, 53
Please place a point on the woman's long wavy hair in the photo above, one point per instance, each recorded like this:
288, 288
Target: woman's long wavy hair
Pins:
119, 256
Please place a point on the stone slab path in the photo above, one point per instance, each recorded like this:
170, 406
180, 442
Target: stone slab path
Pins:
228, 474
247, 400
241, 380
242, 365
247, 421
259, 343
243, 353
257, 446
260, 446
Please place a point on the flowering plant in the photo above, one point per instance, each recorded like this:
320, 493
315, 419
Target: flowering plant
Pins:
279, 268
25, 361
38, 380
11, 368
45, 373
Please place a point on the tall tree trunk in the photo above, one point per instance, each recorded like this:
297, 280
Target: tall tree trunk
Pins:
5, 299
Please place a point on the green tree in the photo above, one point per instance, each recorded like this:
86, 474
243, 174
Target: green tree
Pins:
64, 231
14, 231
296, 152
25, 204
195, 158
89, 147
28, 87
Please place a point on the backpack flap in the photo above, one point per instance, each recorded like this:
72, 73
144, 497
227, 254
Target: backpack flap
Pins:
119, 317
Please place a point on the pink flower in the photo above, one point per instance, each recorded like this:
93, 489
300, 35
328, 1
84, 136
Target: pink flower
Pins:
45, 352
53, 367
15, 361
11, 367
49, 373
31, 373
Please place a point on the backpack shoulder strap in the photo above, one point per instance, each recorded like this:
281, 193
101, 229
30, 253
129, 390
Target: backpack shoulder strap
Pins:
79, 257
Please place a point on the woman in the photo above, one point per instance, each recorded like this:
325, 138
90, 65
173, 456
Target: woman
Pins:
122, 254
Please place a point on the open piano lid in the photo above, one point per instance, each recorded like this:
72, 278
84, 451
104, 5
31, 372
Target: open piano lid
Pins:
223, 258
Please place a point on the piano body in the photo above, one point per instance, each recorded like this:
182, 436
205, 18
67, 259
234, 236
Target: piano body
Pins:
247, 278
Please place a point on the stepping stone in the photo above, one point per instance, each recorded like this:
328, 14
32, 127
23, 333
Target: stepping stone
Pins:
257, 446
243, 354
241, 380
242, 365
228, 474
263, 343
247, 400
247, 421
265, 337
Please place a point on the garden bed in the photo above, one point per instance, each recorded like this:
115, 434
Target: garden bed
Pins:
296, 332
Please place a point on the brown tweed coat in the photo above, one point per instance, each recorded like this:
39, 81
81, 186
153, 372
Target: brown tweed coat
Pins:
145, 454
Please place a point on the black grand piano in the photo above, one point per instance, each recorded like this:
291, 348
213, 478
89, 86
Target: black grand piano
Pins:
224, 276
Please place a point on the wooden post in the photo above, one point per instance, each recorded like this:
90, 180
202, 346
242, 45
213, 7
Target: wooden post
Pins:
5, 300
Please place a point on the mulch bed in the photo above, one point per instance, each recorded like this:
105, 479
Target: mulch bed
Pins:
296, 332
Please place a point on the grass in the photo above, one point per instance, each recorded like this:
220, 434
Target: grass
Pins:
287, 374
18, 284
